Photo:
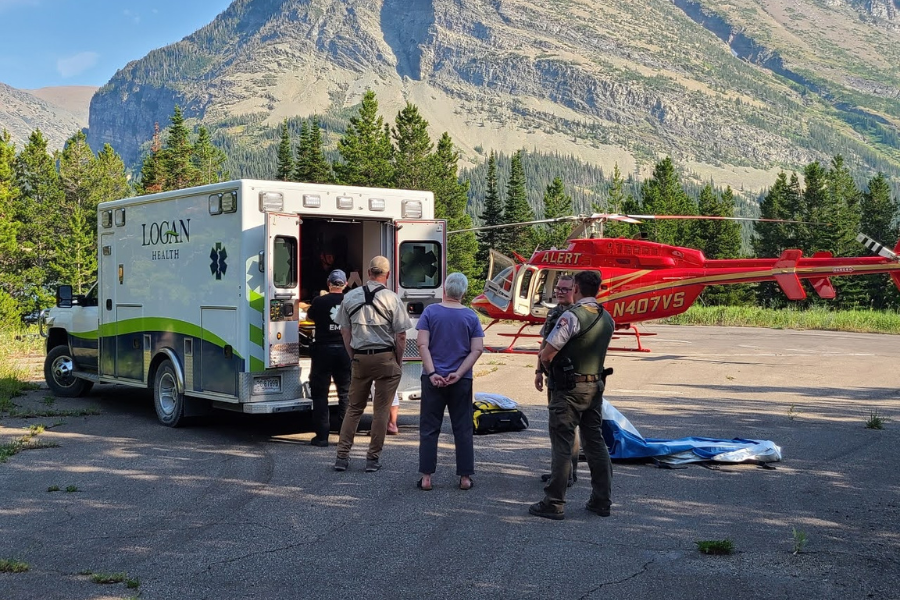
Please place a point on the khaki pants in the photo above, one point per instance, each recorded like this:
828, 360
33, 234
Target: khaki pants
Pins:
385, 372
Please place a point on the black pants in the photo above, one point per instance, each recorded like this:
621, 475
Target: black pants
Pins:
329, 361
457, 400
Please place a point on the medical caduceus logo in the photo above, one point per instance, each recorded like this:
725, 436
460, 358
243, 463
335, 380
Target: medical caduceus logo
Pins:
218, 255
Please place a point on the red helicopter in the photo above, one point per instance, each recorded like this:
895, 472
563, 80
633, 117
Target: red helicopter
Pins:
645, 280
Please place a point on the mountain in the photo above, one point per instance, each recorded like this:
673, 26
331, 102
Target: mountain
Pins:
74, 99
732, 91
57, 112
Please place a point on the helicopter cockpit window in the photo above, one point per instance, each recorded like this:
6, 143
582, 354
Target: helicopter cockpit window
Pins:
504, 278
420, 265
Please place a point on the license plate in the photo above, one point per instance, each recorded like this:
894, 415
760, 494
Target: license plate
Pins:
266, 385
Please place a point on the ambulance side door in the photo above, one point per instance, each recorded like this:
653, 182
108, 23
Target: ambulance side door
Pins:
282, 336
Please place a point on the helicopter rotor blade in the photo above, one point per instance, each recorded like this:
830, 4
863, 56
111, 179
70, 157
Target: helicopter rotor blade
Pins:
877, 248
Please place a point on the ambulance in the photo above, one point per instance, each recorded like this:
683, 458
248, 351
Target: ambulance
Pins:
201, 292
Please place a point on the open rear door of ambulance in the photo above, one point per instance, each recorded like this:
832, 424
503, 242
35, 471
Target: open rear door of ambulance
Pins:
282, 336
421, 260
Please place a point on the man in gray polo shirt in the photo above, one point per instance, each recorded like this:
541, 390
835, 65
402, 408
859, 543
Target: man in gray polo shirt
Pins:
373, 324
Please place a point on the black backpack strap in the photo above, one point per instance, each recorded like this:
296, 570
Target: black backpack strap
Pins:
369, 300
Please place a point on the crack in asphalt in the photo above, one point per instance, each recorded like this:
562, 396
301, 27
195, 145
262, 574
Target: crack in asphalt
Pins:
640, 571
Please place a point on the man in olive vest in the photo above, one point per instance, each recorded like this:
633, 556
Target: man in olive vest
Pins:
574, 355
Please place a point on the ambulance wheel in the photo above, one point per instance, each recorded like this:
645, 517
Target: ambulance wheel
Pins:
167, 400
58, 373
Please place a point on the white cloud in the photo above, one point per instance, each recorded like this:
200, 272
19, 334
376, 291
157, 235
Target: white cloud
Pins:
135, 18
77, 64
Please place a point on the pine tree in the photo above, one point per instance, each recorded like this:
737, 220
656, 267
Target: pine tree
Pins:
207, 160
797, 235
303, 162
39, 212
618, 202
770, 237
413, 148
877, 211
75, 256
109, 179
818, 236
9, 231
556, 204
318, 168
366, 149
76, 164
517, 210
489, 239
663, 194
843, 200
177, 155
719, 239
284, 169
450, 199
153, 171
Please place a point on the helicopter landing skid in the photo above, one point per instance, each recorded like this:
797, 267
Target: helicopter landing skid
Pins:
630, 330
511, 348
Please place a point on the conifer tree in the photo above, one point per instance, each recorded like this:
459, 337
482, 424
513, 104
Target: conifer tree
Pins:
366, 149
207, 160
556, 204
177, 155
493, 215
842, 199
796, 208
817, 210
663, 194
76, 166
303, 163
110, 179
75, 255
318, 168
517, 210
284, 169
450, 199
39, 212
153, 171
9, 228
618, 202
413, 148
719, 239
770, 237
877, 212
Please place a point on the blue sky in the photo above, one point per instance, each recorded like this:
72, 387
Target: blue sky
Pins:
84, 42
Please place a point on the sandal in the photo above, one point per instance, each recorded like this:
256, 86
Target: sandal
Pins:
463, 480
423, 487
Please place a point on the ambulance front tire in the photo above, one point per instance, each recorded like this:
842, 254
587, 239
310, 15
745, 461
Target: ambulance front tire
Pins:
167, 400
58, 374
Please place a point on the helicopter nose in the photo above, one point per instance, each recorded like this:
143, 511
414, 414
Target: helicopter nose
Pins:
480, 304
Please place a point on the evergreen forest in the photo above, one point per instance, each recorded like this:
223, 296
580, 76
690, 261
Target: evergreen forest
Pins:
48, 200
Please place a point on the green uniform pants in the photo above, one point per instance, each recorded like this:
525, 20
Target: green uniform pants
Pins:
568, 410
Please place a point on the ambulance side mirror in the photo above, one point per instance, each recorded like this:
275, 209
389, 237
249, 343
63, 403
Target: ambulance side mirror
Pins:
64, 296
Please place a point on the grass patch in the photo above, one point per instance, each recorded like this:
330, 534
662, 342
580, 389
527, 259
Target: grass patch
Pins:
37, 414
858, 321
53, 488
13, 566
800, 540
26, 442
132, 584
13, 379
875, 421
106, 578
71, 488
719, 547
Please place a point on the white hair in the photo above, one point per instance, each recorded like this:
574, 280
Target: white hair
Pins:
455, 285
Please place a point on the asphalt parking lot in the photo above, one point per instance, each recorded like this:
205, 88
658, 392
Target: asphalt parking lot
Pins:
242, 507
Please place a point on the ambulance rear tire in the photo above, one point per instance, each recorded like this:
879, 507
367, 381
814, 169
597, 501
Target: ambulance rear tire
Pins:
58, 373
167, 400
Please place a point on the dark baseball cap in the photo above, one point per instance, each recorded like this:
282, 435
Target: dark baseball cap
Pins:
337, 277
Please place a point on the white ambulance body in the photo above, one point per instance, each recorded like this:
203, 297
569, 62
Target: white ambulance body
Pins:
201, 291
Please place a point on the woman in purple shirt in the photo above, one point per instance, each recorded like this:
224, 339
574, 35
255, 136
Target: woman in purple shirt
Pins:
450, 340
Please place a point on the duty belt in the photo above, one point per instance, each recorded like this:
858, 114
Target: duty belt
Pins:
586, 378
376, 350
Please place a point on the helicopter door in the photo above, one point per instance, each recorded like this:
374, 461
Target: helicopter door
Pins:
499, 284
525, 281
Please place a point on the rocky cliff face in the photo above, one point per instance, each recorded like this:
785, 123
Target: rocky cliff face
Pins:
22, 112
600, 79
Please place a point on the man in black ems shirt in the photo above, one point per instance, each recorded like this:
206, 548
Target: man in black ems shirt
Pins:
329, 357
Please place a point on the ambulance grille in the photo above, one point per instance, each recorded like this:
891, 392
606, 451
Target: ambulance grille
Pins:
412, 350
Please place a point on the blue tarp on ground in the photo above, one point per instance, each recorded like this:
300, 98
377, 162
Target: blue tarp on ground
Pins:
626, 442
